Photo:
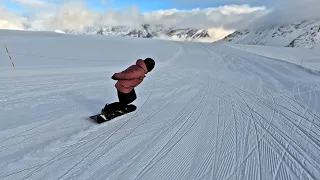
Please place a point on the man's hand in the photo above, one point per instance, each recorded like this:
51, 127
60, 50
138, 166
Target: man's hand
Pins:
114, 78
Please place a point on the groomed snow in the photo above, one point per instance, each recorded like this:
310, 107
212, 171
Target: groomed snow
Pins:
304, 58
207, 111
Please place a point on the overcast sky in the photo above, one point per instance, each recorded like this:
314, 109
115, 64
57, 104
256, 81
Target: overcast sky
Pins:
220, 16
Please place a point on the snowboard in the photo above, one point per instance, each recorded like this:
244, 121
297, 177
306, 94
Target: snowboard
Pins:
128, 109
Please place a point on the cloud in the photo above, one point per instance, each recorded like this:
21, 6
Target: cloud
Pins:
223, 2
128, 16
217, 33
217, 1
282, 11
289, 11
75, 14
68, 16
9, 20
35, 5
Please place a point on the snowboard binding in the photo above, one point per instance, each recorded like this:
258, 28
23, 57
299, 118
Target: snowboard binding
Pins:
107, 116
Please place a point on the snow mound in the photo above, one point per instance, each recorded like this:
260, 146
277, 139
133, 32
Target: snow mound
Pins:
59, 31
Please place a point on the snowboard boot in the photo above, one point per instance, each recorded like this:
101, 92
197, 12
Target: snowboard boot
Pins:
107, 113
111, 111
103, 114
129, 108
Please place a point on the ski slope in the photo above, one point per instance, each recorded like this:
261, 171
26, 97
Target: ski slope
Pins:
304, 58
207, 111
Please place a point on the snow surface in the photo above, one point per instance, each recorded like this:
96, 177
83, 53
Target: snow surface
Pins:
304, 58
207, 111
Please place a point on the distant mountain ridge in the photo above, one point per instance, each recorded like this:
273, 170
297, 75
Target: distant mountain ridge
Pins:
305, 34
144, 31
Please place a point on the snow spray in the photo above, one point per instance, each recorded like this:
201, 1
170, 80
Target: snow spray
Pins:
5, 46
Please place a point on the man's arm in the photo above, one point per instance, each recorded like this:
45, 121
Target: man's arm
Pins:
127, 75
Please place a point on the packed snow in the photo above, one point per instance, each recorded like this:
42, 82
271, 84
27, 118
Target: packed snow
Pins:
305, 58
207, 111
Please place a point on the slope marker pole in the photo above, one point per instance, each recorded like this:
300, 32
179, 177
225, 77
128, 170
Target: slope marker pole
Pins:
301, 60
5, 46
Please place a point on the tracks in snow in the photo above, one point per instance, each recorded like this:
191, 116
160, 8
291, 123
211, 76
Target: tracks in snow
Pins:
228, 116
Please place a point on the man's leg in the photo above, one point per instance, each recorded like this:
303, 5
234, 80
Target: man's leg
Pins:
124, 99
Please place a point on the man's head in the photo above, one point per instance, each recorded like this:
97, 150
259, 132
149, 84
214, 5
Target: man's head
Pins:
150, 63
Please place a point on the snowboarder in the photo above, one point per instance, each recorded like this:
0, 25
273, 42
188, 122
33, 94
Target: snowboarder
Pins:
127, 80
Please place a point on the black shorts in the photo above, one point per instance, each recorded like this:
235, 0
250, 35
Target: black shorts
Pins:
127, 98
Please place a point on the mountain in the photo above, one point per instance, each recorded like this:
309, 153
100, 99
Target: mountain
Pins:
145, 31
305, 34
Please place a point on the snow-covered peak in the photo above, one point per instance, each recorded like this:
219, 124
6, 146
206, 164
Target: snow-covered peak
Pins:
305, 34
145, 31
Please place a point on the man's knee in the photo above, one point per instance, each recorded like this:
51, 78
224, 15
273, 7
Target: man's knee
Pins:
131, 97
127, 98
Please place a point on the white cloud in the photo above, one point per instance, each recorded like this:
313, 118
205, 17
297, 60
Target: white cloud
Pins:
129, 16
74, 14
36, 5
218, 33
9, 20
290, 11
218, 1
68, 16
238, 10
223, 16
